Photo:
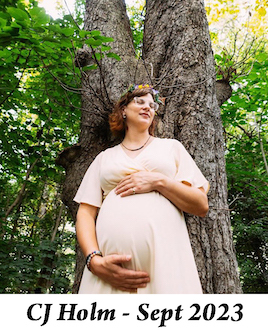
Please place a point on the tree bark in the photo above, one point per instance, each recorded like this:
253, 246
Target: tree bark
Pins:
223, 91
177, 43
177, 53
101, 89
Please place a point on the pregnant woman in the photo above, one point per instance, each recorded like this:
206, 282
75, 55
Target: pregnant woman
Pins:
130, 223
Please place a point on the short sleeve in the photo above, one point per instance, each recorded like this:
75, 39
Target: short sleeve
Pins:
90, 191
187, 170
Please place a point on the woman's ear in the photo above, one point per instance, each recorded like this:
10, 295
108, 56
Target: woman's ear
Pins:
123, 112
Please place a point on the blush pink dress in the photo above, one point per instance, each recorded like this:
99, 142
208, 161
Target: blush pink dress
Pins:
147, 226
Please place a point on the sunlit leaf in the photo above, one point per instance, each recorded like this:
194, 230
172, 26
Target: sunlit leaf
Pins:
17, 13
113, 55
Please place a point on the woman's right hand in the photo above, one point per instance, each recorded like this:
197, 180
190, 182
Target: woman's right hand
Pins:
109, 269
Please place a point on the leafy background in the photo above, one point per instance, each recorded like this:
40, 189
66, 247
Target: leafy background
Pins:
40, 116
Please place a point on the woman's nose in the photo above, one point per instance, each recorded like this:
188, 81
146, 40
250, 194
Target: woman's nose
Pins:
146, 106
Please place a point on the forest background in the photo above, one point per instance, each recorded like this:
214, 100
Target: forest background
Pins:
40, 117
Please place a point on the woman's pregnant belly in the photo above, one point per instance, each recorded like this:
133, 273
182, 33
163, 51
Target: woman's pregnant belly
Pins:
133, 224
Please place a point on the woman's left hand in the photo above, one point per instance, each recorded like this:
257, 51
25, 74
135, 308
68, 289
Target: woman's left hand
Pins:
138, 183
186, 198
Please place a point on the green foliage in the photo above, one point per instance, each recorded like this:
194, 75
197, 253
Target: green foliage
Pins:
245, 118
225, 66
22, 260
40, 103
136, 18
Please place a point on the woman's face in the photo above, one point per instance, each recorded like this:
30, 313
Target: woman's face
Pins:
140, 111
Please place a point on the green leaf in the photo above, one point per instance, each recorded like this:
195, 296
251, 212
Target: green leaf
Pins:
18, 14
115, 56
98, 56
93, 42
95, 33
104, 39
66, 43
84, 33
51, 39
5, 16
262, 57
67, 31
105, 48
5, 53
39, 15
91, 67
218, 57
14, 31
68, 18
51, 172
54, 28
24, 52
2, 22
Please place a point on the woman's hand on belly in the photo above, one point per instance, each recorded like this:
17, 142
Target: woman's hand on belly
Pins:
138, 183
185, 197
109, 269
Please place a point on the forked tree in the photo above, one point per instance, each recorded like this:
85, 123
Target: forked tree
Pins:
177, 59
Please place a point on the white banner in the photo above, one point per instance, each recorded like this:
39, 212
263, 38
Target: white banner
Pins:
134, 311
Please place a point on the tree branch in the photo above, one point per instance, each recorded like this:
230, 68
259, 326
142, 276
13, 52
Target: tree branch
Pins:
22, 190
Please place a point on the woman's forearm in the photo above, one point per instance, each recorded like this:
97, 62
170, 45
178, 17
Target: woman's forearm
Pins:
85, 228
186, 198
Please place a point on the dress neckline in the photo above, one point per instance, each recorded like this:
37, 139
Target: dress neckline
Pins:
148, 145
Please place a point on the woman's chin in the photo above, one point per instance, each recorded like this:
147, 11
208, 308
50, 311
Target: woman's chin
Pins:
141, 124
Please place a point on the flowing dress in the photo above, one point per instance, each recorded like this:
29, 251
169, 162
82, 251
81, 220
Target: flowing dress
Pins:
147, 226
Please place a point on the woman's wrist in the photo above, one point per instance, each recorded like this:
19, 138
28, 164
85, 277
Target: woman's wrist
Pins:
95, 263
90, 256
160, 182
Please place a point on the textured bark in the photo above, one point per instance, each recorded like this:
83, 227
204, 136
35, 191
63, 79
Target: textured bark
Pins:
223, 91
177, 47
108, 83
177, 43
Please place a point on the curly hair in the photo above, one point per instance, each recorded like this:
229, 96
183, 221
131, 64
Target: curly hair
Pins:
116, 121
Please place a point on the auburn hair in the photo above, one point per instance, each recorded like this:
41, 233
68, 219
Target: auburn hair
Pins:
117, 123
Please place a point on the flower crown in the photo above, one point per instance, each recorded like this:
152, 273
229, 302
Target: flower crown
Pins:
133, 87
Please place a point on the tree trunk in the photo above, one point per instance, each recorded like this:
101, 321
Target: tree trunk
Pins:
19, 197
100, 89
22, 190
180, 52
177, 53
44, 280
223, 91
